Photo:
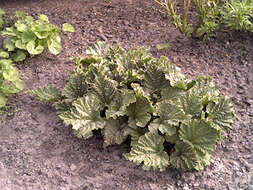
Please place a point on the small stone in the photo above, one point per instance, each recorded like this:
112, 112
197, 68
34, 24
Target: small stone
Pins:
73, 167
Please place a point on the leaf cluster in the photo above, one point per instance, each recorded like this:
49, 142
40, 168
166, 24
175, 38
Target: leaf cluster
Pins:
212, 16
170, 118
28, 35
25, 35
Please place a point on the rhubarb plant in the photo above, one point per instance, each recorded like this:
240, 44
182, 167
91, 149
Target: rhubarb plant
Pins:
171, 119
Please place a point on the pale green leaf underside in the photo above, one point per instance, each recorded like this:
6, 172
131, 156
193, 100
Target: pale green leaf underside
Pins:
149, 151
46, 94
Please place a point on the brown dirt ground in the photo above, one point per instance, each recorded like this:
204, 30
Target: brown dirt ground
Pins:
37, 152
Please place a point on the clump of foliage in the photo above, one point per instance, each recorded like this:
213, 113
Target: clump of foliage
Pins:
238, 15
32, 36
212, 15
170, 118
25, 35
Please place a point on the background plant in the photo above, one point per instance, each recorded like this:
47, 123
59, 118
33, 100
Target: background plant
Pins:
25, 35
170, 118
28, 35
212, 15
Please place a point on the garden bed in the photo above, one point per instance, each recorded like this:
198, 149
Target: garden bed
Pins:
38, 152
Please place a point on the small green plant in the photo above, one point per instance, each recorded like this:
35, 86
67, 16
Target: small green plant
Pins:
212, 15
170, 118
25, 36
32, 36
10, 82
238, 15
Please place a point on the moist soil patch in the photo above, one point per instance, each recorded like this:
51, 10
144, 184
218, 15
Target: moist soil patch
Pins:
37, 152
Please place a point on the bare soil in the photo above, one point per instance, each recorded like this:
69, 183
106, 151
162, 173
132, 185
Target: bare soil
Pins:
37, 152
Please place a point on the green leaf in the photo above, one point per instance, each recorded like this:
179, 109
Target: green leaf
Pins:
104, 88
118, 106
173, 73
191, 103
44, 18
76, 86
154, 78
149, 150
184, 157
162, 46
170, 93
170, 111
32, 49
4, 54
20, 14
164, 126
27, 37
19, 56
200, 135
9, 44
54, 45
3, 100
139, 112
46, 94
20, 45
221, 114
66, 27
204, 86
21, 27
2, 12
84, 117
114, 133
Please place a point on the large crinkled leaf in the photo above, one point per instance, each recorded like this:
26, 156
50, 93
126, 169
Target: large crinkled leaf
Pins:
139, 112
200, 135
114, 133
46, 94
154, 78
149, 150
33, 49
205, 87
104, 88
164, 126
170, 111
76, 86
184, 157
170, 93
118, 106
221, 114
85, 116
27, 37
173, 73
191, 103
